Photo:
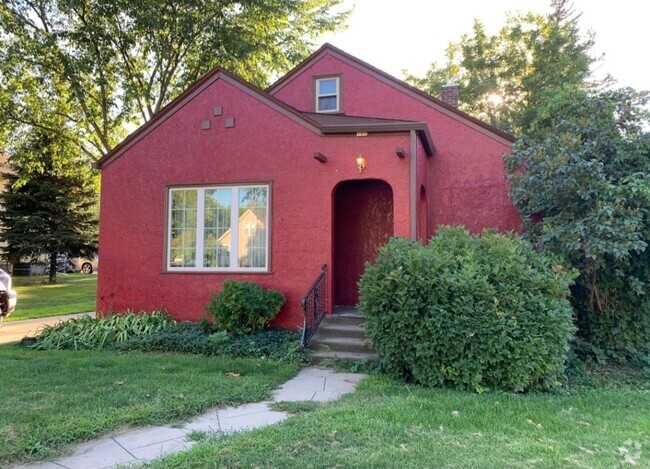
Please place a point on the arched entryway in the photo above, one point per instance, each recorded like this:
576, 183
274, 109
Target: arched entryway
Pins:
363, 221
423, 210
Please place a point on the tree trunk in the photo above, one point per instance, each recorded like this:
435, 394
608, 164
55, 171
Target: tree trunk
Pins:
52, 278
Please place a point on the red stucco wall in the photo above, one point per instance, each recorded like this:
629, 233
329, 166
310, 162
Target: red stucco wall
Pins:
264, 146
466, 178
422, 184
464, 184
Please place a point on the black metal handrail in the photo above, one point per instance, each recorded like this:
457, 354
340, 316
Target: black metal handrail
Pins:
314, 306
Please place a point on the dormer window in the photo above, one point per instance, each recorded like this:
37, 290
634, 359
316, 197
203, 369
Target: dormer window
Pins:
328, 94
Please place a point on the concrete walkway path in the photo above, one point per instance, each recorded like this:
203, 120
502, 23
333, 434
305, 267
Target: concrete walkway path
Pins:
146, 444
14, 331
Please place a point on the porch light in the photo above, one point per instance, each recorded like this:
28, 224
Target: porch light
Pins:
361, 163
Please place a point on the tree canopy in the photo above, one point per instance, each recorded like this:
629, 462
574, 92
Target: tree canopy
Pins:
581, 181
119, 61
505, 78
50, 204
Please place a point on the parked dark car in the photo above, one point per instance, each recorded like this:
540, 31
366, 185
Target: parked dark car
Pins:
7, 295
64, 265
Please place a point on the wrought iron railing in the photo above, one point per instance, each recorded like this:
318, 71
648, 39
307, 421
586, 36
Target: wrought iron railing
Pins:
314, 306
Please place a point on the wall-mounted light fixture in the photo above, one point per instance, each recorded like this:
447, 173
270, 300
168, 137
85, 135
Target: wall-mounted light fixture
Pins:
361, 163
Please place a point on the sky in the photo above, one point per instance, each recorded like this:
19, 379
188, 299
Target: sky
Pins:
397, 35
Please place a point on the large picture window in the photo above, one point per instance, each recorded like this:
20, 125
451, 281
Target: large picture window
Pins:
220, 228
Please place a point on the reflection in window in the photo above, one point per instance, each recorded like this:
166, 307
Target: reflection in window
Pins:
252, 217
218, 228
183, 228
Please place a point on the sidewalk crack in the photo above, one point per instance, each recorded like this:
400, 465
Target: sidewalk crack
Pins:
219, 421
130, 453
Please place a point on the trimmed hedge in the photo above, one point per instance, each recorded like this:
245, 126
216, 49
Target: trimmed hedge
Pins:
471, 312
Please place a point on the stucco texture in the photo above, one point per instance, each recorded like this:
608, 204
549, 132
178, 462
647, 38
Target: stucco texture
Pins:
463, 183
263, 146
465, 179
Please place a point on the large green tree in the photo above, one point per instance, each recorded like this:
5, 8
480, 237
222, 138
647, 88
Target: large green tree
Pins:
581, 181
49, 206
505, 78
119, 61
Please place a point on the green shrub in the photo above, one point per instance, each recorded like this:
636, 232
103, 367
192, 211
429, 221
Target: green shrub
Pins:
243, 307
188, 337
623, 335
89, 333
470, 312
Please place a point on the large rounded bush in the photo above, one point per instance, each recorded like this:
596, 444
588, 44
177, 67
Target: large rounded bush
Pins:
474, 312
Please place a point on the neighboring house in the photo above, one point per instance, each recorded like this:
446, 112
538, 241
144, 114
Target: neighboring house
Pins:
321, 168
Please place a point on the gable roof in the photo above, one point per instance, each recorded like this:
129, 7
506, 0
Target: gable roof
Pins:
216, 74
317, 123
413, 92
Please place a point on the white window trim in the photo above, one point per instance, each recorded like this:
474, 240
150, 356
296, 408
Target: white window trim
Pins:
200, 230
337, 94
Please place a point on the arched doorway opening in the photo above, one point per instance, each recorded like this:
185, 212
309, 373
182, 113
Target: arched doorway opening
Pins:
423, 211
363, 222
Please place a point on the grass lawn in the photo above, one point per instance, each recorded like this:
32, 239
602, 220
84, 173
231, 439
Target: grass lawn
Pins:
51, 398
387, 424
74, 293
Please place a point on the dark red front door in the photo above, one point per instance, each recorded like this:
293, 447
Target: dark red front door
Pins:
363, 222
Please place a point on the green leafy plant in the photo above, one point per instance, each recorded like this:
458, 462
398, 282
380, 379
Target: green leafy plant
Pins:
473, 312
581, 181
277, 344
243, 307
89, 333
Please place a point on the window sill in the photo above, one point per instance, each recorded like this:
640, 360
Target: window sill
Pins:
218, 272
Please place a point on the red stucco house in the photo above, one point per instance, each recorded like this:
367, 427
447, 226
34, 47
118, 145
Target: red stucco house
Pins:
230, 181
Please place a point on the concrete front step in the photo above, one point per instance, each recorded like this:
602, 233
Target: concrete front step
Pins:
341, 335
342, 321
340, 344
327, 330
317, 357
347, 312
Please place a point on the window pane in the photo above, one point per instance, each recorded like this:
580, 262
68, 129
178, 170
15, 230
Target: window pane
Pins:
327, 103
216, 229
252, 226
327, 86
183, 228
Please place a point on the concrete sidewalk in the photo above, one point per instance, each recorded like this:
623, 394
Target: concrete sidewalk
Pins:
146, 444
16, 330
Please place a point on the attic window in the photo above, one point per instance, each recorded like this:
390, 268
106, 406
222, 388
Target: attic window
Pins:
328, 94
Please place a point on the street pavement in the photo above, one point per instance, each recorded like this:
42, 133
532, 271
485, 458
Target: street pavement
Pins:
16, 330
